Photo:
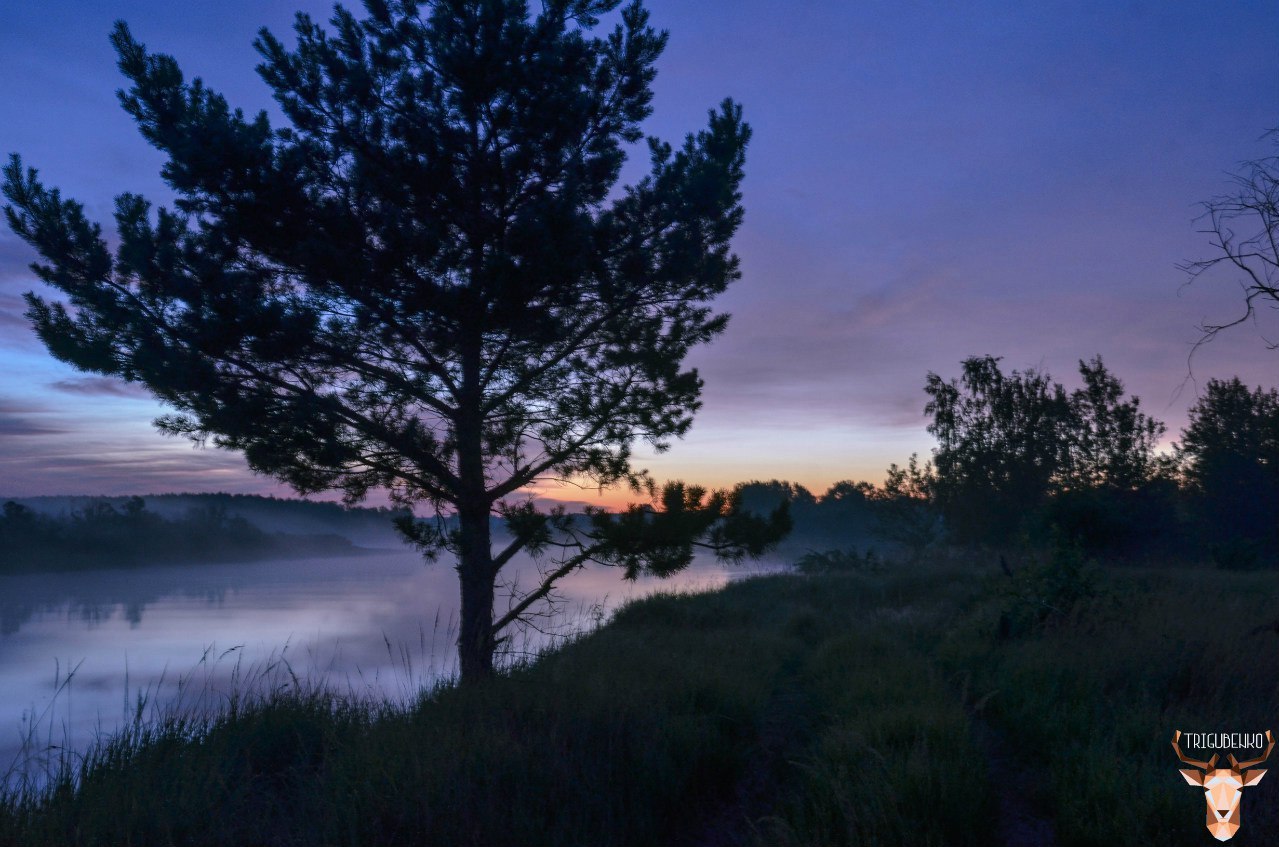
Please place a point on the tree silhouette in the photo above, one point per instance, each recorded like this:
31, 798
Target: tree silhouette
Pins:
1001, 443
426, 282
1244, 227
1008, 444
1112, 442
1230, 454
905, 506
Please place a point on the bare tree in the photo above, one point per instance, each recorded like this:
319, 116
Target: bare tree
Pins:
1244, 227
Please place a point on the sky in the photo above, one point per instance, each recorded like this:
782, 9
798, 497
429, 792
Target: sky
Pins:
926, 182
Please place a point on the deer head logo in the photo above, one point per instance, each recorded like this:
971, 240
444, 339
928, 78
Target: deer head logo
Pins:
1222, 786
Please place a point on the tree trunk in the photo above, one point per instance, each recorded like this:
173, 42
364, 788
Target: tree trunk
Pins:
475, 555
475, 642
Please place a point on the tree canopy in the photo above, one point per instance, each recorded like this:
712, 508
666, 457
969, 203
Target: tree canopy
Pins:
1009, 442
1230, 453
427, 279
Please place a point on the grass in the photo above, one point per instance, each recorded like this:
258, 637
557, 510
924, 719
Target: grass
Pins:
1091, 699
847, 708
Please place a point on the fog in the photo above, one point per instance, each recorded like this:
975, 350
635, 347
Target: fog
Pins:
80, 649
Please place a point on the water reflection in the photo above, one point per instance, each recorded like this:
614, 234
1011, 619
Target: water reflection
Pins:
378, 624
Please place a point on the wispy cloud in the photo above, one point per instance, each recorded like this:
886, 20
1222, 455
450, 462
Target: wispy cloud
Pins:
18, 419
53, 465
15, 407
15, 257
97, 386
15, 426
11, 309
15, 330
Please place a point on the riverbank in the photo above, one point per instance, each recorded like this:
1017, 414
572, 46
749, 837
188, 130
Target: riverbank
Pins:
848, 708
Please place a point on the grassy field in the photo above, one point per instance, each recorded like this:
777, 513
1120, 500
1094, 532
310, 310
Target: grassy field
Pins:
938, 704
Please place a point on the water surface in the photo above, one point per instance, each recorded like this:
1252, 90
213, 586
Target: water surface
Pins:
78, 650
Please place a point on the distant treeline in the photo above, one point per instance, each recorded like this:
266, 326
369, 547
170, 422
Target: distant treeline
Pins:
856, 515
1022, 462
101, 534
272, 514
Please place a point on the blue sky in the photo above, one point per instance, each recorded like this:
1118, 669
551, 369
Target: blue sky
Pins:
927, 181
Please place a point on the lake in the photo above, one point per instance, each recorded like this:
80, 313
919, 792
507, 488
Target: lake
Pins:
78, 650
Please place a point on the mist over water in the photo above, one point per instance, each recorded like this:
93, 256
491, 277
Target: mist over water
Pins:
381, 624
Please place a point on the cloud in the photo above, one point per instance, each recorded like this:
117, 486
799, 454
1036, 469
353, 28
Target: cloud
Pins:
11, 318
15, 330
18, 419
56, 466
13, 407
15, 257
98, 386
16, 425
11, 308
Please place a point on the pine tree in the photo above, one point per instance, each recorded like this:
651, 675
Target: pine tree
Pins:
427, 281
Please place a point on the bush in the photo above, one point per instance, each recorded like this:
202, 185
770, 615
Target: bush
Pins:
1241, 554
839, 561
1044, 593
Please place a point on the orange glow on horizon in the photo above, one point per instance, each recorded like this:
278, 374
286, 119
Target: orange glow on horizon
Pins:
621, 496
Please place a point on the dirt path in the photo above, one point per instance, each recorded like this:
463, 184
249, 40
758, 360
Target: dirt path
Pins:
786, 720
1018, 822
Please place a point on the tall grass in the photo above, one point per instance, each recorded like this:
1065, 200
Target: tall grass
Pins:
1091, 699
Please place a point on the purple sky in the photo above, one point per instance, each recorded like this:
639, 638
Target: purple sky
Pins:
927, 181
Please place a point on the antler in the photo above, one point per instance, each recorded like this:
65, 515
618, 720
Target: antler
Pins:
1241, 766
1208, 765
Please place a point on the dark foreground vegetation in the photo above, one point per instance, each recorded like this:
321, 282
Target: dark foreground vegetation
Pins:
946, 703
99, 534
